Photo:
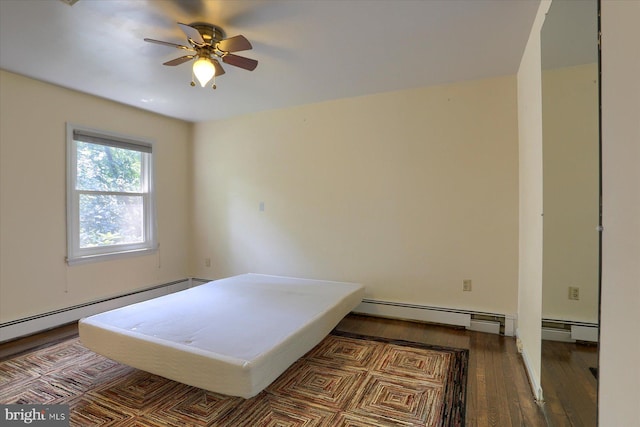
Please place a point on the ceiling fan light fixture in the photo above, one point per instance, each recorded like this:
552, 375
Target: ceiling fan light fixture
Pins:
208, 44
204, 70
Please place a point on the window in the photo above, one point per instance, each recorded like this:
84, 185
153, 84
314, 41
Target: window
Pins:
110, 203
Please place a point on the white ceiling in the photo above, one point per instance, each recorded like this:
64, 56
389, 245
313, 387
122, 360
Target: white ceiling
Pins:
308, 50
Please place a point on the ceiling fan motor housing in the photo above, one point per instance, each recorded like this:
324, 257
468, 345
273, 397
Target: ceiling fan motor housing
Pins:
211, 34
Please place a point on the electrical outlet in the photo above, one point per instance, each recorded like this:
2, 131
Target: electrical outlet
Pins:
207, 262
466, 285
574, 293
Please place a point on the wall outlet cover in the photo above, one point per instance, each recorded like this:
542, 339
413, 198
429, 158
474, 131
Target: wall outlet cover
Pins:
574, 293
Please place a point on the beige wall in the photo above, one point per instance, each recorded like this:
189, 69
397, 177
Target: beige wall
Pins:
34, 277
408, 192
570, 189
619, 391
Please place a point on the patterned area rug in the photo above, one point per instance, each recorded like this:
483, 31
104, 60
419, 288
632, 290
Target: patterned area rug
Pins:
346, 380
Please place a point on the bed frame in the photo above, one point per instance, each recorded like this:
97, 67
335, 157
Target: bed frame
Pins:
232, 336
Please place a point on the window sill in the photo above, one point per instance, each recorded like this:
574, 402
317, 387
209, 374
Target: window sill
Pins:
110, 256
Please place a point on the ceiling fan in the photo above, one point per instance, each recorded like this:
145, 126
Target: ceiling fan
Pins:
207, 44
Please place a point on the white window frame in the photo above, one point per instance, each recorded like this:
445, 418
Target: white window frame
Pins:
78, 255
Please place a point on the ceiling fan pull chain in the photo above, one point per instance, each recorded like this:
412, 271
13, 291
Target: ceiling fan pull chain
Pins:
193, 83
213, 86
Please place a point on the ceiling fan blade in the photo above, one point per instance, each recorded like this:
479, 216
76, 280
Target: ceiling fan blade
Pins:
234, 44
180, 60
192, 34
179, 46
240, 61
219, 70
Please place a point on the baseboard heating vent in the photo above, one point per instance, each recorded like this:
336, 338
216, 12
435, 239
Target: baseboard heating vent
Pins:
584, 333
485, 326
42, 322
475, 321
556, 334
569, 331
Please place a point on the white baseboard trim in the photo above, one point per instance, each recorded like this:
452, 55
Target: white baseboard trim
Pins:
509, 325
475, 321
413, 312
534, 380
33, 324
197, 282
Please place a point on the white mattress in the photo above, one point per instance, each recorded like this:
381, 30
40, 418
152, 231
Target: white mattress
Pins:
232, 336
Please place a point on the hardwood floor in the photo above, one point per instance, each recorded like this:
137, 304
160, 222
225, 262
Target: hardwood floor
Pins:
498, 392
570, 389
32, 342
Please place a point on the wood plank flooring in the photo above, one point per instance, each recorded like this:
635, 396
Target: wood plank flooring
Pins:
570, 389
32, 342
498, 391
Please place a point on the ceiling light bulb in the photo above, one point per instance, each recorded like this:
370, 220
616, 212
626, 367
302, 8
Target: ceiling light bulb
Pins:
204, 70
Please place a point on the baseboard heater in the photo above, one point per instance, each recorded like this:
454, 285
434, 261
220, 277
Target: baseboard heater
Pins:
33, 324
472, 320
569, 331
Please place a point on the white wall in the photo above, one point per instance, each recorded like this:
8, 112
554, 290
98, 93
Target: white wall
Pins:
530, 230
619, 387
408, 192
34, 277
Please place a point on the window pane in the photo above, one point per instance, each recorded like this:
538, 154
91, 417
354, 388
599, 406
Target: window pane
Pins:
110, 220
105, 168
